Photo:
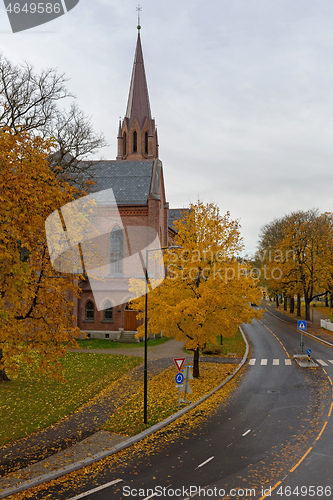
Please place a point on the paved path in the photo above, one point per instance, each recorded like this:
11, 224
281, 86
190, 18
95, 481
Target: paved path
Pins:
171, 349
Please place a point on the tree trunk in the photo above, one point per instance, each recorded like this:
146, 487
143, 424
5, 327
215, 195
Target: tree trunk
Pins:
277, 300
307, 308
285, 302
292, 305
196, 363
326, 299
3, 376
331, 300
221, 339
298, 305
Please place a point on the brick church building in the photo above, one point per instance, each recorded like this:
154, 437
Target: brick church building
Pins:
136, 178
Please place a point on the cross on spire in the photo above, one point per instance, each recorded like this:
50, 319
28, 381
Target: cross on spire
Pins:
139, 9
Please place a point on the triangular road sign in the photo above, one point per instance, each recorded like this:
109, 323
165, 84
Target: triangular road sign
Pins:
186, 387
179, 362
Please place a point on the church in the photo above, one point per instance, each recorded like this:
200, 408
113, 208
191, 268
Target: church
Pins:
136, 178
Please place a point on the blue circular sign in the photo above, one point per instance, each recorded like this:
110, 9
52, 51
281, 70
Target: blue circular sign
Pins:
179, 378
308, 352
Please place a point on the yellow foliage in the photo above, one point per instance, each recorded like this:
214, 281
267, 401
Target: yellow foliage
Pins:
207, 290
35, 300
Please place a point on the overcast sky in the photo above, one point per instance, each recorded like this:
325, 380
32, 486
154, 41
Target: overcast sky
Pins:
242, 93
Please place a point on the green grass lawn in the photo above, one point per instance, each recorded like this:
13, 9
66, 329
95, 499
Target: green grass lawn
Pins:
233, 344
30, 401
109, 344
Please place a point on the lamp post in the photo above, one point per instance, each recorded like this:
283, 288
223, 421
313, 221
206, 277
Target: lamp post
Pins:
145, 373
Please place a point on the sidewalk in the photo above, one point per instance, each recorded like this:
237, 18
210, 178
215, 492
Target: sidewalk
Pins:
313, 327
78, 439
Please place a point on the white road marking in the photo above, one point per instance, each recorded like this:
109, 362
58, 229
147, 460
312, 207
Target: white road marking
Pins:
263, 362
276, 361
99, 488
155, 494
246, 432
322, 362
287, 362
331, 361
252, 361
229, 445
204, 463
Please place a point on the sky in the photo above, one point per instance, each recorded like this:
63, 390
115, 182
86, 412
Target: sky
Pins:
241, 90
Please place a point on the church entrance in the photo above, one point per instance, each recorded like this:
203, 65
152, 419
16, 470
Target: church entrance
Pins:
131, 323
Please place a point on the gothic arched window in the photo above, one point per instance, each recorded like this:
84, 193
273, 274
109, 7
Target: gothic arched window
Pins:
146, 143
89, 311
135, 141
116, 251
108, 311
124, 143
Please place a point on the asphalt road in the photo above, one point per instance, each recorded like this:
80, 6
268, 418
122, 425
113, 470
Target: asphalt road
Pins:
272, 436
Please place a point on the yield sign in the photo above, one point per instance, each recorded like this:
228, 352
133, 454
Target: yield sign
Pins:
179, 362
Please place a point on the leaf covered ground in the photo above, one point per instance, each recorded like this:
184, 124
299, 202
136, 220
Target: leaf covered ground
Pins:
163, 398
31, 401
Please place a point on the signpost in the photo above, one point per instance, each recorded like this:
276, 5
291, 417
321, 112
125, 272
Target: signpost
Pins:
186, 387
308, 352
301, 325
182, 383
179, 378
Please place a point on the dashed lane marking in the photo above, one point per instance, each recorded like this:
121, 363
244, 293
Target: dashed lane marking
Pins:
287, 362
99, 488
263, 362
252, 361
204, 463
276, 362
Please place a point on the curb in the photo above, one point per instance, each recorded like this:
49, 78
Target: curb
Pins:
125, 444
304, 332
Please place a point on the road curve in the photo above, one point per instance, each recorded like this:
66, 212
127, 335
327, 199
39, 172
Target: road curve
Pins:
245, 447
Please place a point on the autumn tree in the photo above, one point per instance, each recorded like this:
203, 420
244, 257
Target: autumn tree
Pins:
300, 254
35, 301
208, 290
32, 101
268, 256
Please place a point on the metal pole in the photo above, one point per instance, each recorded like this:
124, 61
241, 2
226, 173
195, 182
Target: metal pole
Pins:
186, 372
145, 374
145, 379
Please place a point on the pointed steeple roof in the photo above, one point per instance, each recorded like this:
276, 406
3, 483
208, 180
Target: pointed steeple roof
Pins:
138, 105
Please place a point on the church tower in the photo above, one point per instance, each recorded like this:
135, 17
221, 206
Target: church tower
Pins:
137, 134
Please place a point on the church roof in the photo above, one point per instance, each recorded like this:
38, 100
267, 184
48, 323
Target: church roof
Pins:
130, 180
138, 105
176, 214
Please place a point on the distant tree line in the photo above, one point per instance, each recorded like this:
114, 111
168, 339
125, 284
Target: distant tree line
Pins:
295, 258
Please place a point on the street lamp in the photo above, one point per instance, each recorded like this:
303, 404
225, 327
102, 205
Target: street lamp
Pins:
145, 374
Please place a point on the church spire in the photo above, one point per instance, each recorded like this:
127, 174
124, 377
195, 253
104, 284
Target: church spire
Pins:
138, 105
137, 136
